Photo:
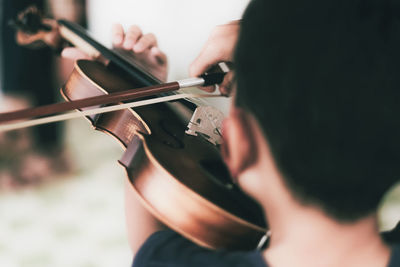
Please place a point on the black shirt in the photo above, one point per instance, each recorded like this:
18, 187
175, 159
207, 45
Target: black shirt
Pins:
168, 249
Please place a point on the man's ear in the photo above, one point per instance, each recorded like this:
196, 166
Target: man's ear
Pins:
239, 148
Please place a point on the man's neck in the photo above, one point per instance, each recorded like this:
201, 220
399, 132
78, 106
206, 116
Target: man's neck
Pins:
304, 236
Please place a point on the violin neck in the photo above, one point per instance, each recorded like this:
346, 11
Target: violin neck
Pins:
79, 37
48, 32
135, 68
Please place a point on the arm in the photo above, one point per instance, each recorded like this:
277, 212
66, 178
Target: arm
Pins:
140, 224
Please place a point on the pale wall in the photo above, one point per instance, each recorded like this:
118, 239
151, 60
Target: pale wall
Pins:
181, 26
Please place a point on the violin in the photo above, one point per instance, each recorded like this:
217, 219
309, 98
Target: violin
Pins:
176, 170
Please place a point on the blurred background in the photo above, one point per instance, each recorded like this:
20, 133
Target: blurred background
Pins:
61, 189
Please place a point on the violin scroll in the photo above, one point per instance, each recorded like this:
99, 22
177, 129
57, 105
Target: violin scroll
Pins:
35, 31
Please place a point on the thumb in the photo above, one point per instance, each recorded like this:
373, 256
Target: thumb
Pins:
74, 53
205, 60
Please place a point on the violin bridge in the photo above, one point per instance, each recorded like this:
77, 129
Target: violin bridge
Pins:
206, 122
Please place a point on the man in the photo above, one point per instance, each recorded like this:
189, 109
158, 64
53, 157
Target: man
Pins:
315, 113
312, 136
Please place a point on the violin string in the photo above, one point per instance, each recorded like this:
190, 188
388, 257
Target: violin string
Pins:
217, 130
215, 126
203, 102
80, 113
197, 101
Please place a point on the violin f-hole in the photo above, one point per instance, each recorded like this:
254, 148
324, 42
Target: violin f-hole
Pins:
172, 139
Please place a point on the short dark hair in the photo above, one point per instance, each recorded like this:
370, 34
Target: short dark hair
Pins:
323, 80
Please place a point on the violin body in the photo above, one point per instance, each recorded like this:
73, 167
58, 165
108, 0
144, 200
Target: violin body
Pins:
180, 178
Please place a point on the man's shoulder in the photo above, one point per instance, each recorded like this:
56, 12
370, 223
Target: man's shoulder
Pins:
392, 236
167, 248
395, 256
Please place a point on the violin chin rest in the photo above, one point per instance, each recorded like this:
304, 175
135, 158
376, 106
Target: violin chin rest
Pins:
133, 154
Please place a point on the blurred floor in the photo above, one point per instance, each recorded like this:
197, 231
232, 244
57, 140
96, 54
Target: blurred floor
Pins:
78, 219
73, 220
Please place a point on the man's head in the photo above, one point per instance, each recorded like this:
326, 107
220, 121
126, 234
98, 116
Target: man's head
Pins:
322, 80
